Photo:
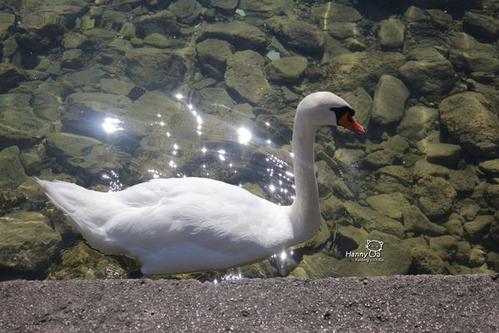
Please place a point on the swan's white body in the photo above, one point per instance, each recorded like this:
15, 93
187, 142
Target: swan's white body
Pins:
195, 224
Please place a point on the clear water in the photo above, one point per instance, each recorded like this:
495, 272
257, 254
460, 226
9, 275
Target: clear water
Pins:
108, 94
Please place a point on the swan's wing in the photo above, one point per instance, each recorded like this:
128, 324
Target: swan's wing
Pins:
209, 213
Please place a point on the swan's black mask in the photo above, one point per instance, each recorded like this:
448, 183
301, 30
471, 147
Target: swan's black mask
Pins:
345, 118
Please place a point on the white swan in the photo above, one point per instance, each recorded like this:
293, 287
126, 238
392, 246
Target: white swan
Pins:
191, 224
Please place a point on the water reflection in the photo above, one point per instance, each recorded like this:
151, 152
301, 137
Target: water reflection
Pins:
111, 125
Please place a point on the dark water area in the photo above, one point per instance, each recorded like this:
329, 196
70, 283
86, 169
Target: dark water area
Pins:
112, 93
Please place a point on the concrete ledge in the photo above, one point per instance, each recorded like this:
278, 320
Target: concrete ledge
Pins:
386, 304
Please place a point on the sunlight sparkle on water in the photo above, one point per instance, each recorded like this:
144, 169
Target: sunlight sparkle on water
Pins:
111, 125
179, 96
244, 135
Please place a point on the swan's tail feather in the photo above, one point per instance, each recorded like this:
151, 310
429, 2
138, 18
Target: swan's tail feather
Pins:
81, 206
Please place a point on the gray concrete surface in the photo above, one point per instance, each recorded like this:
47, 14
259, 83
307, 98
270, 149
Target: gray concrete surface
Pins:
385, 304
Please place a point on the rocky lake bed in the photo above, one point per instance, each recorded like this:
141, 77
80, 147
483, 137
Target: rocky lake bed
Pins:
111, 93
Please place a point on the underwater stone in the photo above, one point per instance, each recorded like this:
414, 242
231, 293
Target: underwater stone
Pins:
240, 34
469, 120
391, 33
425, 261
73, 40
490, 168
85, 112
380, 159
7, 20
470, 55
265, 8
11, 170
389, 100
225, 5
423, 168
415, 221
27, 243
245, 76
212, 55
443, 153
435, 196
117, 86
47, 102
463, 180
344, 30
444, 246
298, 35
157, 40
454, 225
83, 262
493, 260
328, 182
492, 195
287, 69
479, 227
417, 122
477, 256
163, 22
357, 69
390, 205
336, 12
18, 122
154, 68
187, 11
72, 59
429, 77
481, 26
10, 76
372, 220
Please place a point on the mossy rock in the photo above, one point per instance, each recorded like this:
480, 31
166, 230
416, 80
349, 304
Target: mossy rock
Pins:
27, 242
83, 262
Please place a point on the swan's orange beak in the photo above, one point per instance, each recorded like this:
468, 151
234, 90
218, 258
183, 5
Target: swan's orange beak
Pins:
349, 121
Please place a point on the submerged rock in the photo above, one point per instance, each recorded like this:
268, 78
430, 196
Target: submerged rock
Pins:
372, 220
83, 262
240, 34
213, 55
469, 120
429, 77
358, 69
490, 168
163, 22
391, 205
187, 11
10, 76
481, 26
425, 261
11, 170
435, 196
391, 33
246, 77
18, 123
479, 227
443, 153
297, 34
27, 243
415, 221
288, 69
155, 68
389, 100
417, 122
470, 55
7, 20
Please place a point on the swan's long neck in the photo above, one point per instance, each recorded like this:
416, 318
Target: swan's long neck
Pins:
305, 212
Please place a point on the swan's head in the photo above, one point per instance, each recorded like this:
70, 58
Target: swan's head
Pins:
327, 109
